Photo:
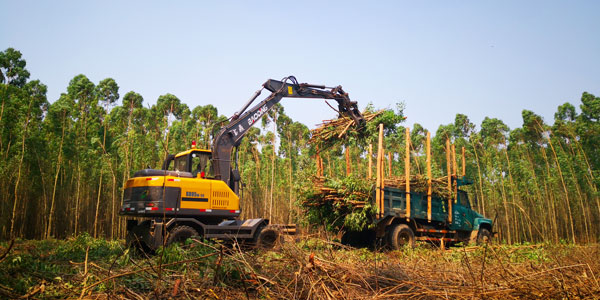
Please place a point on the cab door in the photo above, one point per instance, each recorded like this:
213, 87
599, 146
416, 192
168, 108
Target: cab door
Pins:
462, 218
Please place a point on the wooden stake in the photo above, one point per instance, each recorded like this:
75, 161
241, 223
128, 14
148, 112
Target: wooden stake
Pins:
319, 163
453, 153
407, 172
428, 146
464, 166
389, 164
348, 165
321, 166
448, 167
379, 184
454, 172
370, 170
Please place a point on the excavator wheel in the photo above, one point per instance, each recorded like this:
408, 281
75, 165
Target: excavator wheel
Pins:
135, 238
179, 234
400, 235
266, 237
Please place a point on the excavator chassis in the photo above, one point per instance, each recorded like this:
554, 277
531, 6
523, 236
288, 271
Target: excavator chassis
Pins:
149, 235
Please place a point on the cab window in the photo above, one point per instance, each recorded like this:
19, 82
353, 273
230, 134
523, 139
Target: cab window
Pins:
181, 164
463, 198
202, 162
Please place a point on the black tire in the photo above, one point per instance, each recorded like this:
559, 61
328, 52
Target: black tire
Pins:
399, 236
179, 234
135, 238
266, 237
483, 236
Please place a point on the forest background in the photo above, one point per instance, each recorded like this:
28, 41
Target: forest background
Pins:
63, 164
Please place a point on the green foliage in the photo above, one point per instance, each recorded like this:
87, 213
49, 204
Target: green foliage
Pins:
75, 249
63, 159
341, 214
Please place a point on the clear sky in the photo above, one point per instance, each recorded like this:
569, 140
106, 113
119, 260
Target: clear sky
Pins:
480, 58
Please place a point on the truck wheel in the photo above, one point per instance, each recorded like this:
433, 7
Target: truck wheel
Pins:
180, 234
483, 236
400, 235
266, 238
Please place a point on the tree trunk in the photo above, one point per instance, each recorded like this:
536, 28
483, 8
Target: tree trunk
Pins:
98, 204
12, 219
78, 199
58, 165
562, 180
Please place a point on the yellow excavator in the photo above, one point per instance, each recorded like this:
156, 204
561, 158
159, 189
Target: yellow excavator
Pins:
196, 192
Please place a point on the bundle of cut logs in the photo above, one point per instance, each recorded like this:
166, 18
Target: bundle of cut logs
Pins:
334, 130
340, 195
418, 183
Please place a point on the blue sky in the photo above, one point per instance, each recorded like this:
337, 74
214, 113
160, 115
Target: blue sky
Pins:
480, 58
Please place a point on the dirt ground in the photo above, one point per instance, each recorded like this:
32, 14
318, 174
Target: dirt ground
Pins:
308, 268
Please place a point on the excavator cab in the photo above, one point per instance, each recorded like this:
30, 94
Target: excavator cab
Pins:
195, 161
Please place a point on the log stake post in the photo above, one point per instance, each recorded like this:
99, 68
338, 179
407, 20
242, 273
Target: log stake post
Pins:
348, 164
454, 173
428, 146
449, 171
390, 164
407, 173
379, 185
319, 165
464, 166
370, 170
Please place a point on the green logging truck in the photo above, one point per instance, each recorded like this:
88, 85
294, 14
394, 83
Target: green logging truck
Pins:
400, 222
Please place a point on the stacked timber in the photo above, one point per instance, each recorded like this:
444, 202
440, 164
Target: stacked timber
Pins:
350, 203
338, 193
418, 184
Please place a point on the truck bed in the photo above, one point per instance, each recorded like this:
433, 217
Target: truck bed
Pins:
395, 205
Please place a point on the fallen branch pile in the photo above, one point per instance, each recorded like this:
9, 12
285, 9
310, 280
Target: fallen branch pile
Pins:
338, 192
331, 131
311, 269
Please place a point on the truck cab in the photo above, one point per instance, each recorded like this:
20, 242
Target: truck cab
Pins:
465, 218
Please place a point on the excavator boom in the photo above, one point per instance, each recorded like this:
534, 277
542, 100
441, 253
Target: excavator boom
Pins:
230, 136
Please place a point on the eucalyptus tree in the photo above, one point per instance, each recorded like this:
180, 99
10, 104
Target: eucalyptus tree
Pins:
132, 114
12, 68
494, 134
107, 92
61, 138
31, 106
207, 120
566, 127
588, 129
83, 94
167, 109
